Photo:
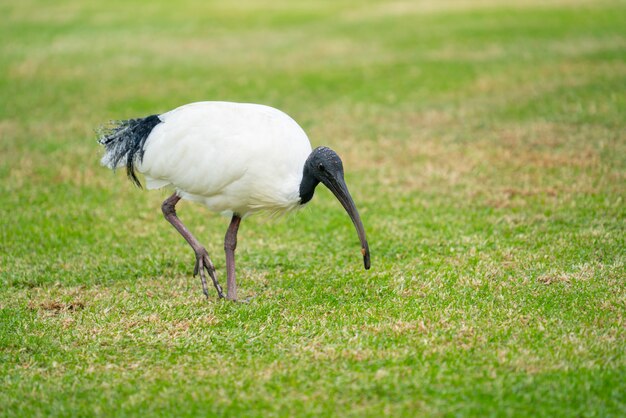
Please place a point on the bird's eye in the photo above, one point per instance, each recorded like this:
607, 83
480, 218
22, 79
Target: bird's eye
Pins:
321, 167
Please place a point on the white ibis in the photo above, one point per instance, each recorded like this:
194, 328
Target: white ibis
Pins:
236, 159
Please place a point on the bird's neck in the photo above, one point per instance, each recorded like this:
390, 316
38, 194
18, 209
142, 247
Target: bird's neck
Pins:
307, 185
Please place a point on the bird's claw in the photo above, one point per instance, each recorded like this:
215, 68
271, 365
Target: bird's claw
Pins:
203, 262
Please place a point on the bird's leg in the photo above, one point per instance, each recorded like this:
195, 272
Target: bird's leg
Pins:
202, 256
230, 243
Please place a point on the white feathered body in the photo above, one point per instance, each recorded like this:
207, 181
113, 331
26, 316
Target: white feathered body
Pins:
232, 157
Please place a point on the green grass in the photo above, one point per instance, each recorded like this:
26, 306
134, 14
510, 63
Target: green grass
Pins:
484, 143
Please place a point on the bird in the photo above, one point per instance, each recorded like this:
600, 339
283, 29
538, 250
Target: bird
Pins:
237, 159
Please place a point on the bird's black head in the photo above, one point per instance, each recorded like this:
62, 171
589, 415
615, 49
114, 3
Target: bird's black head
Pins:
324, 166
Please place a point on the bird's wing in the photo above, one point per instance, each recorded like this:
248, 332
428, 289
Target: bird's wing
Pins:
202, 148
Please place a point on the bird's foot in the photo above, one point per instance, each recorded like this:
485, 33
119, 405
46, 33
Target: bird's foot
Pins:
203, 262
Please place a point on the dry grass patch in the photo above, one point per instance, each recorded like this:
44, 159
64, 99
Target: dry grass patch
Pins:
583, 272
56, 307
406, 7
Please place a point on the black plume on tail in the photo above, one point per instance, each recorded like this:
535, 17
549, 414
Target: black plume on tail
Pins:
124, 141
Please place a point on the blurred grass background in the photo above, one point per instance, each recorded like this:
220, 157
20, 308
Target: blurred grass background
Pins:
484, 143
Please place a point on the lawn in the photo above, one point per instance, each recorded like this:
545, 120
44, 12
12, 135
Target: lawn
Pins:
484, 143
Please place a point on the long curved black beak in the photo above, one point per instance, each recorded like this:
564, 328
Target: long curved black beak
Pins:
338, 186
